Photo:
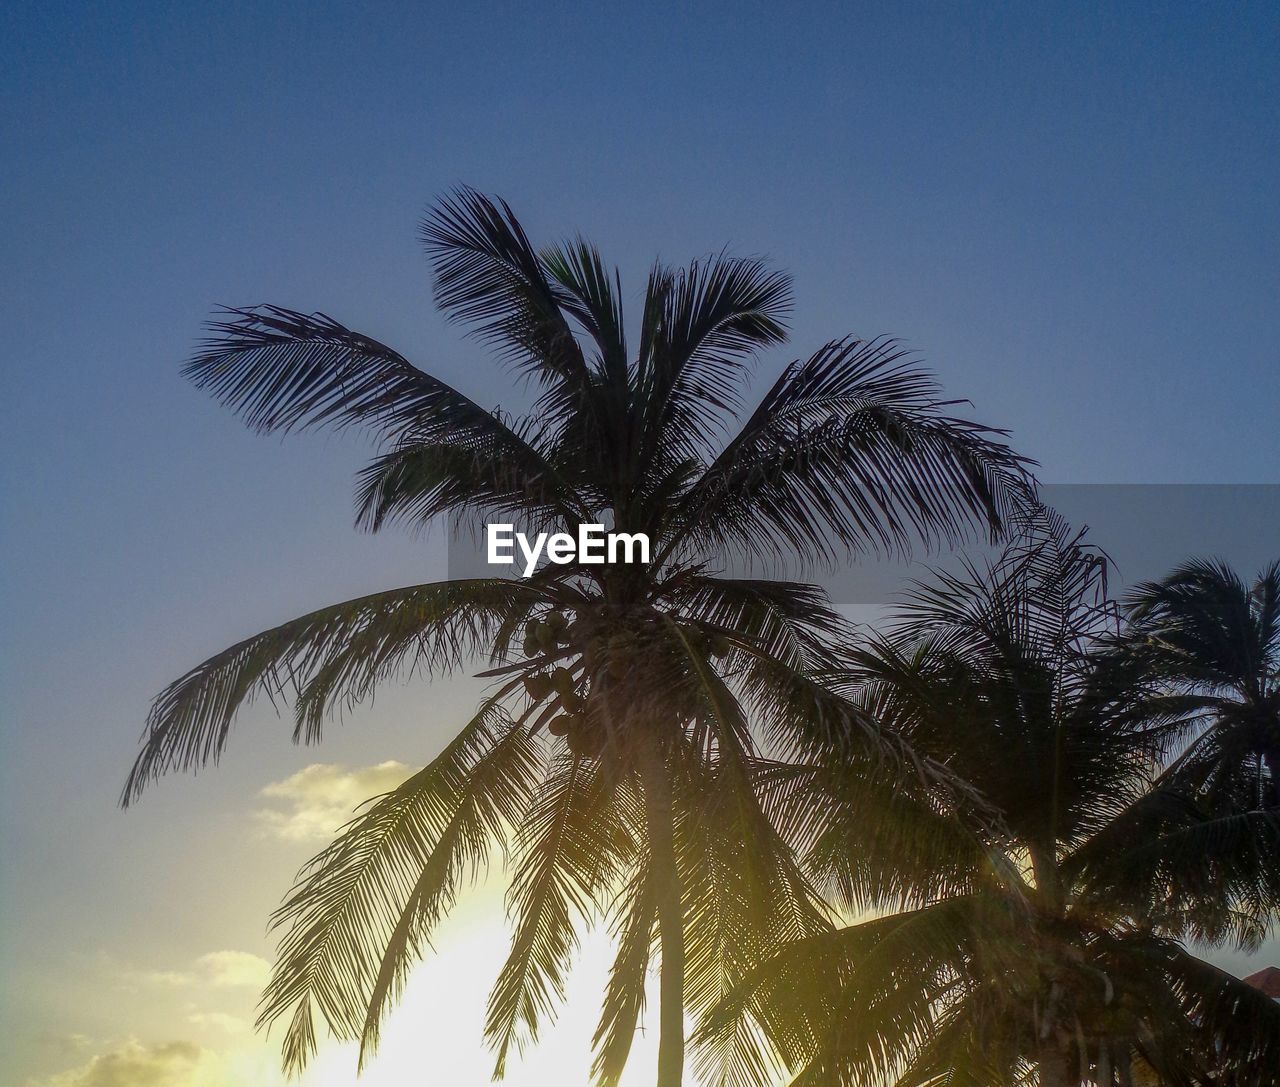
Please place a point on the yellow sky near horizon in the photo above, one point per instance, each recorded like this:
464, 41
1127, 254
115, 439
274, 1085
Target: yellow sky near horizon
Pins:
167, 1012
434, 1036
134, 942
188, 1023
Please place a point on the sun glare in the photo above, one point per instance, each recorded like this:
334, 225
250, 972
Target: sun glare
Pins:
436, 1033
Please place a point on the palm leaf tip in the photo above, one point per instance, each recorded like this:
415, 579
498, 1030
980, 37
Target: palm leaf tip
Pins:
282, 369
363, 909
324, 662
854, 450
487, 274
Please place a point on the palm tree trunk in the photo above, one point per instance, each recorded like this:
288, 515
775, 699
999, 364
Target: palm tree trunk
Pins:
1105, 1077
1124, 1067
1271, 756
1056, 1068
661, 827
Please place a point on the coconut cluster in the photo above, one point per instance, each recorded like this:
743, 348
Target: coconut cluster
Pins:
608, 651
578, 718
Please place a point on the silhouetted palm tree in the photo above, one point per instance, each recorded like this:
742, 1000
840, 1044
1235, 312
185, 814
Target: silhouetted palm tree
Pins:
1050, 950
1215, 642
620, 741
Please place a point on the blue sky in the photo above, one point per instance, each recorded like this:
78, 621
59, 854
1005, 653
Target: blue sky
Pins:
1068, 210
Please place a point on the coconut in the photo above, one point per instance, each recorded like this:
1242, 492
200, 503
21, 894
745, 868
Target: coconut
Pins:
562, 681
538, 685
585, 740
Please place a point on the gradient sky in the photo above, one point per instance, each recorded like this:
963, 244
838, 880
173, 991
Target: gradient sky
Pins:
1070, 211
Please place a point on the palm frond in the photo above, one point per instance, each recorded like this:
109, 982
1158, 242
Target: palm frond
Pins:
624, 998
1206, 626
860, 998
593, 297
362, 908
873, 844
1207, 636
1046, 592
805, 718
789, 621
488, 274
335, 655
497, 792
420, 480
702, 326
567, 857
853, 450
964, 1049
1196, 872
283, 370
745, 897
1239, 1026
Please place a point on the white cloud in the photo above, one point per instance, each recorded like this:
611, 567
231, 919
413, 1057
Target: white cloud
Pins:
133, 1064
313, 803
168, 978
181, 1062
231, 1024
223, 969
226, 968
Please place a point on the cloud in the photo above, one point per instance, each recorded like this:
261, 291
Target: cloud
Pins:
223, 969
231, 1024
226, 968
133, 1064
179, 1062
313, 803
60, 1045
169, 978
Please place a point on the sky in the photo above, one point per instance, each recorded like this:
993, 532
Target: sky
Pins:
1067, 210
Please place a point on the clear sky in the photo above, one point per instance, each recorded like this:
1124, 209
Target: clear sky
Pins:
1069, 210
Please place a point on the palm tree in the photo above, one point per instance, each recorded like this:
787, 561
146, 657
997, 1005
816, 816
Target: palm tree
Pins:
619, 745
1049, 950
1215, 642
